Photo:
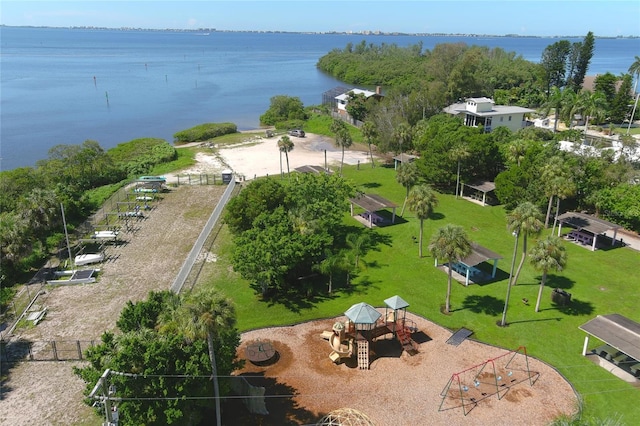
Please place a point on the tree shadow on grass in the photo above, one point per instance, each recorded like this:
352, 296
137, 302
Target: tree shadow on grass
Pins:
574, 308
370, 185
282, 408
482, 304
557, 281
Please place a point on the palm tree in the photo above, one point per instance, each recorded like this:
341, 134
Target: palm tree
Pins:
205, 314
548, 254
591, 105
634, 69
357, 243
554, 102
503, 321
369, 133
343, 137
422, 200
516, 150
458, 153
451, 243
556, 179
564, 187
329, 265
407, 175
524, 220
403, 134
285, 145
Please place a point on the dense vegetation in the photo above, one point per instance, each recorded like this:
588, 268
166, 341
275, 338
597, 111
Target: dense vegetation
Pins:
162, 347
78, 177
204, 132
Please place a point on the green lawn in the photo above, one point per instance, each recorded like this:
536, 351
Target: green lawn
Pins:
600, 282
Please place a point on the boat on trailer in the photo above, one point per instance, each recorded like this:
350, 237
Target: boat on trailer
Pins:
89, 258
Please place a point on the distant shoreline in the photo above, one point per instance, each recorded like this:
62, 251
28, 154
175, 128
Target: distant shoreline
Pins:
358, 33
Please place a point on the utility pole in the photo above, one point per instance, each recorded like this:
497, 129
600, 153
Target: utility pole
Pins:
105, 390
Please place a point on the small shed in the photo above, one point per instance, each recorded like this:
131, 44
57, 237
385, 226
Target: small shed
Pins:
372, 203
480, 191
227, 176
467, 266
587, 228
403, 158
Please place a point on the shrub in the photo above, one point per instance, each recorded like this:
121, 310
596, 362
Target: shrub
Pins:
203, 132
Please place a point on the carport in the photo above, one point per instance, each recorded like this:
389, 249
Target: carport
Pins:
587, 228
480, 188
467, 266
620, 335
372, 203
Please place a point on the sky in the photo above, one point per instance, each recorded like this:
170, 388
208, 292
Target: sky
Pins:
522, 17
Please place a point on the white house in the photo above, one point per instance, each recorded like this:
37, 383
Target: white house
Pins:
482, 112
343, 98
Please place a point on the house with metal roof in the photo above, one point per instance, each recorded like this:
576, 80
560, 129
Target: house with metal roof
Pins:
485, 114
343, 99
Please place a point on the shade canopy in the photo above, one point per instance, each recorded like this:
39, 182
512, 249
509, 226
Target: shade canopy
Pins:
362, 313
617, 331
588, 223
396, 302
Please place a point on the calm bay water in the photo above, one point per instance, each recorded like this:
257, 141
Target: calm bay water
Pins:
62, 86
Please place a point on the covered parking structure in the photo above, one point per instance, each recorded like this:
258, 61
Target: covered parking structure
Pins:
480, 191
621, 337
467, 267
372, 203
587, 228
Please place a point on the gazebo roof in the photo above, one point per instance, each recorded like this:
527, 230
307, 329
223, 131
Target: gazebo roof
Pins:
362, 313
405, 157
311, 169
587, 222
479, 254
617, 331
372, 202
396, 302
482, 186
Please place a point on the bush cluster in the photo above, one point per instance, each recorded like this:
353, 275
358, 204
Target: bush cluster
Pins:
203, 132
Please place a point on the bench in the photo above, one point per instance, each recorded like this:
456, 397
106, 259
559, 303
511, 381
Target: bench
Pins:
620, 359
635, 369
607, 352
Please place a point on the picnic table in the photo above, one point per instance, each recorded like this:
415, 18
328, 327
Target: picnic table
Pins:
260, 352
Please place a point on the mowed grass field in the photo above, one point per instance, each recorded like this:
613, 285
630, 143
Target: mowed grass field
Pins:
601, 282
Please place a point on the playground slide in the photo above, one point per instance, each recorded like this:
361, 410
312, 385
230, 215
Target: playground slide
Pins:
337, 346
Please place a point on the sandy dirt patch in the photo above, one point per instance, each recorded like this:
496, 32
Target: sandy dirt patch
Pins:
148, 258
260, 157
399, 389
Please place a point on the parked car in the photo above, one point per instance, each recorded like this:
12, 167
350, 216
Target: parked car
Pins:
297, 132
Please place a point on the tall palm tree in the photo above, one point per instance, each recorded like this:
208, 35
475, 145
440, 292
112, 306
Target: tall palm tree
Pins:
285, 145
554, 102
503, 321
451, 243
369, 133
422, 200
332, 263
516, 150
556, 179
564, 187
634, 70
403, 134
342, 137
407, 175
548, 254
458, 153
203, 315
524, 220
591, 105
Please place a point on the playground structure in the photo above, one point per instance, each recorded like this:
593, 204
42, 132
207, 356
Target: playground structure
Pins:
493, 377
364, 325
